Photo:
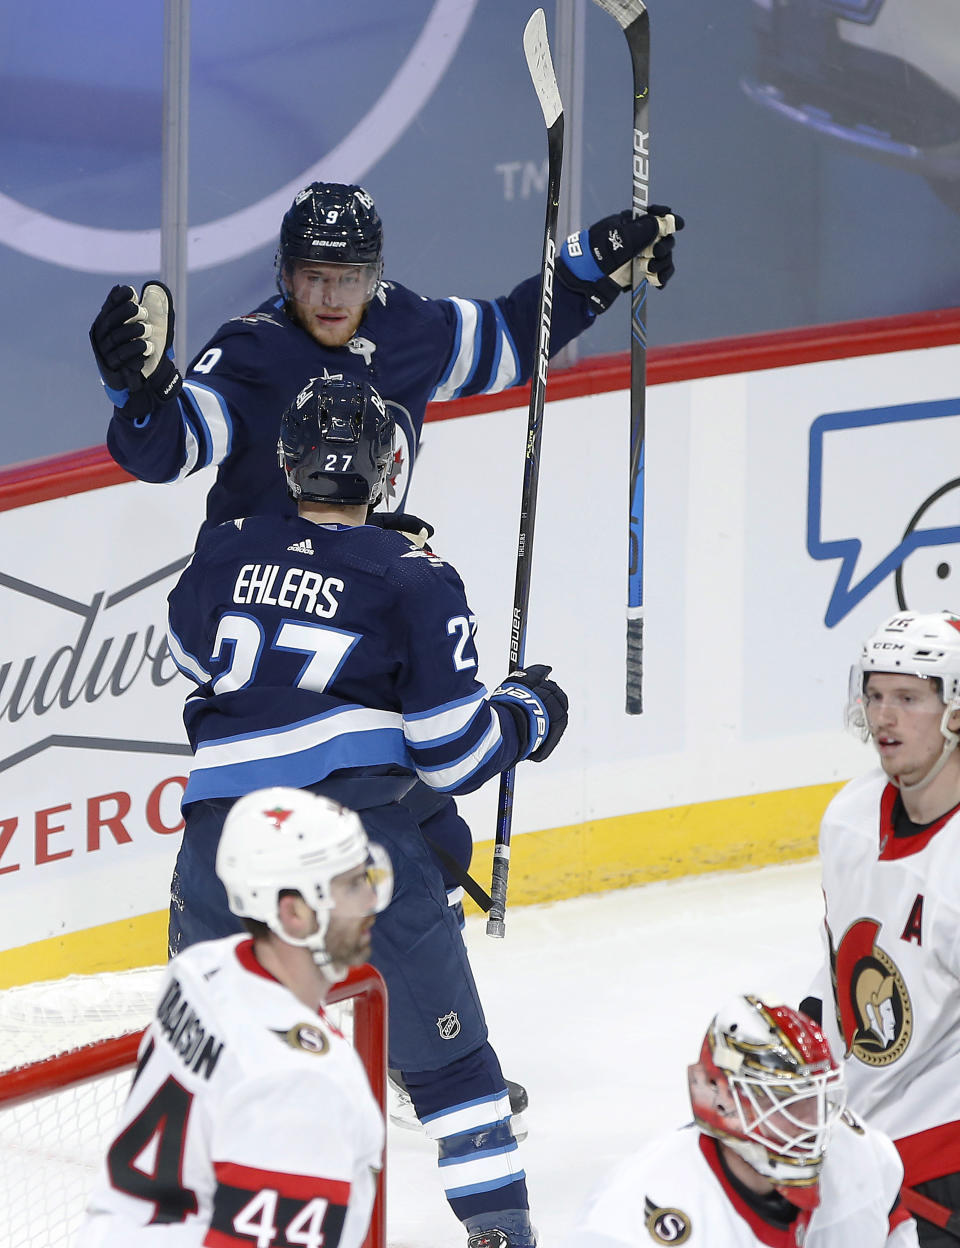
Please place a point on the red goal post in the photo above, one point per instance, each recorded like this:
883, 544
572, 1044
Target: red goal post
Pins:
57, 1113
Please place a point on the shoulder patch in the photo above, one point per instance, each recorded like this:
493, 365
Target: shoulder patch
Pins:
257, 318
424, 554
306, 1037
666, 1225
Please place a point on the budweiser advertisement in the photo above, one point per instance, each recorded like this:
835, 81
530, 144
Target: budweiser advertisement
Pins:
92, 747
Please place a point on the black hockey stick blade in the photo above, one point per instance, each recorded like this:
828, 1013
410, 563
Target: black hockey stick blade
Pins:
634, 20
540, 65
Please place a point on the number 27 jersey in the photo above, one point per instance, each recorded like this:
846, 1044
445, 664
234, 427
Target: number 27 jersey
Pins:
322, 649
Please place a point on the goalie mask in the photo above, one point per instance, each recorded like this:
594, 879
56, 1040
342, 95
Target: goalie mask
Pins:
331, 223
336, 443
279, 839
910, 644
767, 1086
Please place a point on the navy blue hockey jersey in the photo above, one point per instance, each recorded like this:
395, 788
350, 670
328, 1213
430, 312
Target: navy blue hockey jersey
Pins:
324, 650
410, 348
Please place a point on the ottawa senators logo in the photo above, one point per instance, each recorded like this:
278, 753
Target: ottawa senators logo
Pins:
307, 1038
666, 1226
874, 1013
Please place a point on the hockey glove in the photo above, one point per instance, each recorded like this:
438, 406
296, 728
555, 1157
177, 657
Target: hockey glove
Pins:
132, 342
597, 261
417, 530
543, 705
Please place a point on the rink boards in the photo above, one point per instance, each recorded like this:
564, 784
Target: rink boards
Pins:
789, 507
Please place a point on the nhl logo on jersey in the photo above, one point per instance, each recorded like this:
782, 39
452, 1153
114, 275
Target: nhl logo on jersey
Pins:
873, 1006
666, 1225
307, 1038
448, 1026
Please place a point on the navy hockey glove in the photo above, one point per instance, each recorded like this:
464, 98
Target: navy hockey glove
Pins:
418, 531
132, 342
544, 707
597, 261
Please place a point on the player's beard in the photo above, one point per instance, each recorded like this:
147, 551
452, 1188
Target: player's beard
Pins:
349, 945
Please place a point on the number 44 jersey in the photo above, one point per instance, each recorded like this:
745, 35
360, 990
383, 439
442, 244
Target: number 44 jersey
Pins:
323, 649
250, 1121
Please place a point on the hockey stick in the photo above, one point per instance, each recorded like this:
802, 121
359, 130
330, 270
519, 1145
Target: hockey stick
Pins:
540, 65
635, 24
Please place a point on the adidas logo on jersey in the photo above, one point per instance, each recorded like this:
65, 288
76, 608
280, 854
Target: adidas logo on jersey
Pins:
302, 548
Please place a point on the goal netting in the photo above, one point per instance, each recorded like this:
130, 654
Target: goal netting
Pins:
67, 1051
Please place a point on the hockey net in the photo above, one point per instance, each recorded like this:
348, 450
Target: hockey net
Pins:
67, 1052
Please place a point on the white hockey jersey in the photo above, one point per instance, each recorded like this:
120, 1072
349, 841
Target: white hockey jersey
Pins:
250, 1122
893, 936
675, 1192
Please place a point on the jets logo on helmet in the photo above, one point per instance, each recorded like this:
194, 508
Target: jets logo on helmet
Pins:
278, 815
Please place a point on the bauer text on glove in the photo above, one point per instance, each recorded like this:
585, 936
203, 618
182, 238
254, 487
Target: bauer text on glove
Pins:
538, 705
597, 261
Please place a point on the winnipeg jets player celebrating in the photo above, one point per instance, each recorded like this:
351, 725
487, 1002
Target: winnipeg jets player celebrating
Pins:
891, 883
250, 1119
338, 656
336, 316
772, 1158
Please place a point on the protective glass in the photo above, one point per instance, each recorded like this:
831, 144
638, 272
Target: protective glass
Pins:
333, 285
917, 696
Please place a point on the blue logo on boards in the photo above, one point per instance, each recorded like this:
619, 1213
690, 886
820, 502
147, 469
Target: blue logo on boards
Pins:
883, 498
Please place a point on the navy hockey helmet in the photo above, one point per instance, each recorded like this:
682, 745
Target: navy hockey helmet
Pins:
336, 443
331, 223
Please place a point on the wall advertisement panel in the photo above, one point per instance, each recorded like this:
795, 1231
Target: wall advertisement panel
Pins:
788, 511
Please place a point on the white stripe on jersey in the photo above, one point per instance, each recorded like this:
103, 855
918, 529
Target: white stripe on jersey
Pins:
468, 342
479, 1172
213, 416
307, 735
470, 1117
188, 663
508, 366
431, 728
191, 453
446, 778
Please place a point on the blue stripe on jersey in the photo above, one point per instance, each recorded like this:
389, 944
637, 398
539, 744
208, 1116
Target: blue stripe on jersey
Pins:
253, 769
506, 365
460, 1149
440, 389
473, 1189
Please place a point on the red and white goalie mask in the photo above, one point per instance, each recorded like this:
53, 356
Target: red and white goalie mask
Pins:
768, 1087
